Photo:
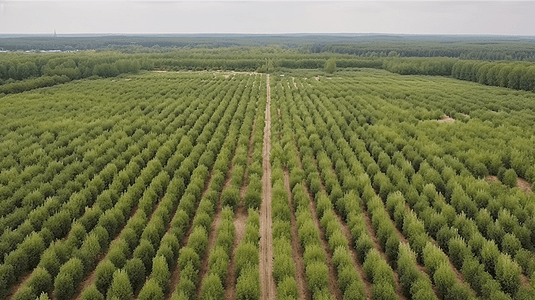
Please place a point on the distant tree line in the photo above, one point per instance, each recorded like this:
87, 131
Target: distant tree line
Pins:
510, 74
22, 72
420, 66
25, 71
474, 51
514, 75
463, 47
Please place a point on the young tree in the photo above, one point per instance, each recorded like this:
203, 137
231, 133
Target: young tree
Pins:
330, 66
120, 286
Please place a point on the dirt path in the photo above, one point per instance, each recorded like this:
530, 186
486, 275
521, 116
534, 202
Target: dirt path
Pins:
14, 288
297, 250
240, 217
267, 283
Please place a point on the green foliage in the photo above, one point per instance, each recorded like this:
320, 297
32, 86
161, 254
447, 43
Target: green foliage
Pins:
383, 291
231, 197
145, 252
6, 279
253, 196
91, 293
64, 286
25, 293
444, 279
70, 275
161, 133
212, 288
151, 290
104, 276
136, 272
317, 276
246, 256
160, 272
330, 66
508, 274
120, 286
40, 281
248, 284
509, 178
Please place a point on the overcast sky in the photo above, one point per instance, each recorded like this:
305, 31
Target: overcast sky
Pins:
145, 17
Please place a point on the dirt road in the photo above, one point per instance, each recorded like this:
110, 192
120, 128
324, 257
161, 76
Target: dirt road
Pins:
267, 283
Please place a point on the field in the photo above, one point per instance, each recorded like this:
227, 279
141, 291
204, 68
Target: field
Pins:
362, 184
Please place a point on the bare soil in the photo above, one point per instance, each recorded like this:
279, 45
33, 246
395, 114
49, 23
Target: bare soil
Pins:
492, 178
240, 217
446, 119
267, 283
14, 288
297, 250
523, 184
520, 183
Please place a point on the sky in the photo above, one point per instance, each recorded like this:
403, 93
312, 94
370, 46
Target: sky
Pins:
267, 17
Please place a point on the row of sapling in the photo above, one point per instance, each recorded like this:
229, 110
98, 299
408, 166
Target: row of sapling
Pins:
28, 160
246, 255
213, 284
219, 259
478, 162
391, 243
119, 250
190, 256
482, 223
158, 249
61, 219
283, 263
317, 273
247, 260
376, 268
509, 236
124, 247
34, 202
384, 228
460, 254
253, 193
144, 254
417, 237
57, 226
37, 221
80, 247
202, 220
